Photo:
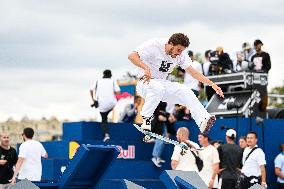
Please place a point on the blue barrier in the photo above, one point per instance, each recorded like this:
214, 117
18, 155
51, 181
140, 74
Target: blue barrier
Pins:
125, 135
130, 185
86, 168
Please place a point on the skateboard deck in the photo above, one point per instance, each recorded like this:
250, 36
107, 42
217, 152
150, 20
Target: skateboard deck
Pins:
149, 134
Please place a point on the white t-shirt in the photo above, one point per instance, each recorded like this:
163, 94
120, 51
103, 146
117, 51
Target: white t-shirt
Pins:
206, 66
105, 93
190, 81
31, 151
153, 54
210, 156
187, 161
251, 167
279, 163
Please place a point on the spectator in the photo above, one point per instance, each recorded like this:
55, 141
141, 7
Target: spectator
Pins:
224, 60
243, 142
104, 92
130, 112
240, 64
230, 157
210, 157
189, 80
206, 64
216, 143
29, 162
8, 159
261, 59
253, 163
248, 51
162, 124
279, 167
187, 161
181, 113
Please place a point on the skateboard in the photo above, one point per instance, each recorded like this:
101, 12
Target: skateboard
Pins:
149, 134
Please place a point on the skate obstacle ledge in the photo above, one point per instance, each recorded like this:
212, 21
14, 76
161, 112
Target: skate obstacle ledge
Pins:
182, 184
86, 168
130, 185
256, 186
191, 177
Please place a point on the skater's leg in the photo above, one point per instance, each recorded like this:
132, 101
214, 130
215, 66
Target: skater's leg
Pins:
152, 94
182, 95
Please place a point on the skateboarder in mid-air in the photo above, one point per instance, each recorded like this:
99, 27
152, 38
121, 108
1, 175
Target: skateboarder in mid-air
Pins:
157, 58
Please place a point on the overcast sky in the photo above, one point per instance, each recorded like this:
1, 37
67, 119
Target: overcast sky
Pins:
52, 51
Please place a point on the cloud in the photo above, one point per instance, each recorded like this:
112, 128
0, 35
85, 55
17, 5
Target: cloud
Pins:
52, 50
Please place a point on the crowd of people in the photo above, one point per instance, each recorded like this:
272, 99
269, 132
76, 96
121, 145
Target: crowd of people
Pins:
26, 164
229, 165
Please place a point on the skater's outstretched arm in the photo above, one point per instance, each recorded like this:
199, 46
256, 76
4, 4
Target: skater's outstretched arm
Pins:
135, 59
200, 77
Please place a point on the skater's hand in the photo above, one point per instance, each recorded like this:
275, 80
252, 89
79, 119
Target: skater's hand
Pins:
218, 90
13, 181
211, 183
147, 75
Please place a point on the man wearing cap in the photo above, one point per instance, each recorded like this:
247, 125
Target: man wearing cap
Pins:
230, 159
248, 51
261, 59
262, 63
224, 61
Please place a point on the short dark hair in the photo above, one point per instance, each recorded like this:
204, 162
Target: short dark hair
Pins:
252, 132
107, 74
179, 39
243, 137
257, 42
190, 53
207, 53
205, 135
28, 132
281, 147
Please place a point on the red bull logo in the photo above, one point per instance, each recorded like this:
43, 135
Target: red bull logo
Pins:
126, 154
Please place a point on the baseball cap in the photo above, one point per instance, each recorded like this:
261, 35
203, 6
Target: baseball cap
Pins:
231, 133
246, 46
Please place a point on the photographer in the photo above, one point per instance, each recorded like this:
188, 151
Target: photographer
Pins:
225, 61
103, 96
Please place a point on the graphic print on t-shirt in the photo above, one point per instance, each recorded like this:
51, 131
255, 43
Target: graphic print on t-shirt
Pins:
258, 63
165, 66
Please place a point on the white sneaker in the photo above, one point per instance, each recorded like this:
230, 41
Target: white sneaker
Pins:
156, 162
207, 123
161, 160
106, 138
146, 125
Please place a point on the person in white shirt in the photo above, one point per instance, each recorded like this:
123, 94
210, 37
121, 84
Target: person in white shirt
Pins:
104, 91
190, 81
157, 58
29, 165
240, 64
210, 156
207, 63
187, 161
279, 167
253, 163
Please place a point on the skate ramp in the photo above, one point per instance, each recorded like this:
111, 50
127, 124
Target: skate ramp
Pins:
191, 177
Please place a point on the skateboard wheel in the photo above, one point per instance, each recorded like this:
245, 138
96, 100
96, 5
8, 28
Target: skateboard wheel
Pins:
146, 138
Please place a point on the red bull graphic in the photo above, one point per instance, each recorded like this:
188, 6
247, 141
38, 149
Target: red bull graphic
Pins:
126, 154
